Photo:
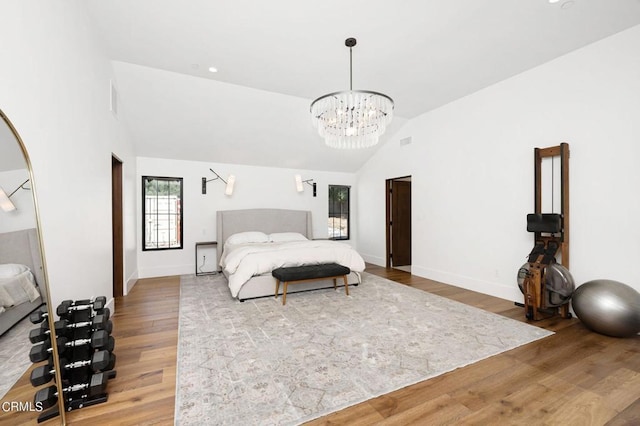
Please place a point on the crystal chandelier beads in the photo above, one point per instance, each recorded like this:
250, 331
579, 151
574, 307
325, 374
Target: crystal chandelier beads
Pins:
353, 119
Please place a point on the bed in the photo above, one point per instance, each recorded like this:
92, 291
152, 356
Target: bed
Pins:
21, 276
282, 247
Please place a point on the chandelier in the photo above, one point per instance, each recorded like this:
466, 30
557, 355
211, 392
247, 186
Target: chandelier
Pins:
354, 118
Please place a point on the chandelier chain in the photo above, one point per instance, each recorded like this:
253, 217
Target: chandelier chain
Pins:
350, 68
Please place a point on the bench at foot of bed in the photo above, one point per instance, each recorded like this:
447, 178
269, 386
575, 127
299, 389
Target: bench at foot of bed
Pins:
299, 274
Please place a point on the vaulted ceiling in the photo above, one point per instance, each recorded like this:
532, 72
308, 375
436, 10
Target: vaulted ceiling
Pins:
275, 57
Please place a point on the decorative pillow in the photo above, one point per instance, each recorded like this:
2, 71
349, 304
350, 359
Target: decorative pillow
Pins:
248, 237
279, 237
8, 270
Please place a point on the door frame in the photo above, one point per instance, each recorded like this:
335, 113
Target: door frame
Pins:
388, 206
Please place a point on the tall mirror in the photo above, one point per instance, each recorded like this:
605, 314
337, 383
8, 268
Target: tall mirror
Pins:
23, 286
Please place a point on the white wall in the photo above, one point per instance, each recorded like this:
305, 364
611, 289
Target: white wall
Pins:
23, 217
471, 163
255, 187
54, 86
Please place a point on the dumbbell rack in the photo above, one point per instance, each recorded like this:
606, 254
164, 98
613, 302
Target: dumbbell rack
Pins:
83, 335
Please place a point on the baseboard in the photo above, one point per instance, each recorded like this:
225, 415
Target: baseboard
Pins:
511, 293
132, 281
166, 271
376, 260
111, 304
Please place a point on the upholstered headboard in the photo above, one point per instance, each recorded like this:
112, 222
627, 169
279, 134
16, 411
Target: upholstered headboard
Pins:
23, 247
229, 222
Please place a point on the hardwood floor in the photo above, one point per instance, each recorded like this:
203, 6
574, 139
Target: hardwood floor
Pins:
145, 326
574, 377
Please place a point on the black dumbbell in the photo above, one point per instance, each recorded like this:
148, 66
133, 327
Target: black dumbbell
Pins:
100, 361
103, 315
67, 306
87, 315
98, 340
48, 396
39, 315
41, 351
99, 322
39, 334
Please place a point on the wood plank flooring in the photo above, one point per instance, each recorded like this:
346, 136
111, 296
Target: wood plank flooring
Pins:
574, 377
145, 326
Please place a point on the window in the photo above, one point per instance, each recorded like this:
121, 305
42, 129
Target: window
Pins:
338, 212
161, 213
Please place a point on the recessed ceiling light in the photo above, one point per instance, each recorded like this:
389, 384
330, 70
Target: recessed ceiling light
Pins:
213, 69
553, 1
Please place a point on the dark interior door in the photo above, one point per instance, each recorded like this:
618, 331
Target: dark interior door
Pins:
401, 223
117, 227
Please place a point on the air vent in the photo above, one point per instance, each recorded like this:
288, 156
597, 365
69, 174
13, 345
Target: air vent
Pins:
405, 141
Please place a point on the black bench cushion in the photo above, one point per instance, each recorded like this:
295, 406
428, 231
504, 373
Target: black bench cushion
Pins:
306, 272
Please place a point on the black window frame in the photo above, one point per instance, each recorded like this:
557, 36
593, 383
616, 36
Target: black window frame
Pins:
180, 215
333, 212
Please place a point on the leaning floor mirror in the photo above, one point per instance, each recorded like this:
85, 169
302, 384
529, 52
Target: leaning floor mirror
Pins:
25, 315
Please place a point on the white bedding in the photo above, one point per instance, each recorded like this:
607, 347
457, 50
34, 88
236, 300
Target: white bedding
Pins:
243, 261
17, 286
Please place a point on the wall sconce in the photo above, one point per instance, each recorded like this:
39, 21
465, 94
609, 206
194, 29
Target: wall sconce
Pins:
300, 186
5, 200
231, 180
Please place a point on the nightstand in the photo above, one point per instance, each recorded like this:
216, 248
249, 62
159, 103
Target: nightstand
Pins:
204, 249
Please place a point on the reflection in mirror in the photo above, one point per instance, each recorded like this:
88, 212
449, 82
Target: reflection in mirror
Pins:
23, 280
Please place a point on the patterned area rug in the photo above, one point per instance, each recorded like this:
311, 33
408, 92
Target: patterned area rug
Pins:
14, 355
259, 362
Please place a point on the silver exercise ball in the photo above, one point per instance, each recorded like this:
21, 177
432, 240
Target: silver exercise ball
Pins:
608, 307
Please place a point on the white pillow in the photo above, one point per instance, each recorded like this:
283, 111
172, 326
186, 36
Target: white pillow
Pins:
8, 270
248, 237
279, 237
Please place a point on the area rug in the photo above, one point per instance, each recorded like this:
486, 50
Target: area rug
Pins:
14, 355
261, 363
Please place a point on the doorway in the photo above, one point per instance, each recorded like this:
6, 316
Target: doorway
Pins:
398, 228
116, 226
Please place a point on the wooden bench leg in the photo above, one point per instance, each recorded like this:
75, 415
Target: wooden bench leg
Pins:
286, 286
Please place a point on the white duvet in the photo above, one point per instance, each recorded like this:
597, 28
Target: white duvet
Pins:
243, 261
